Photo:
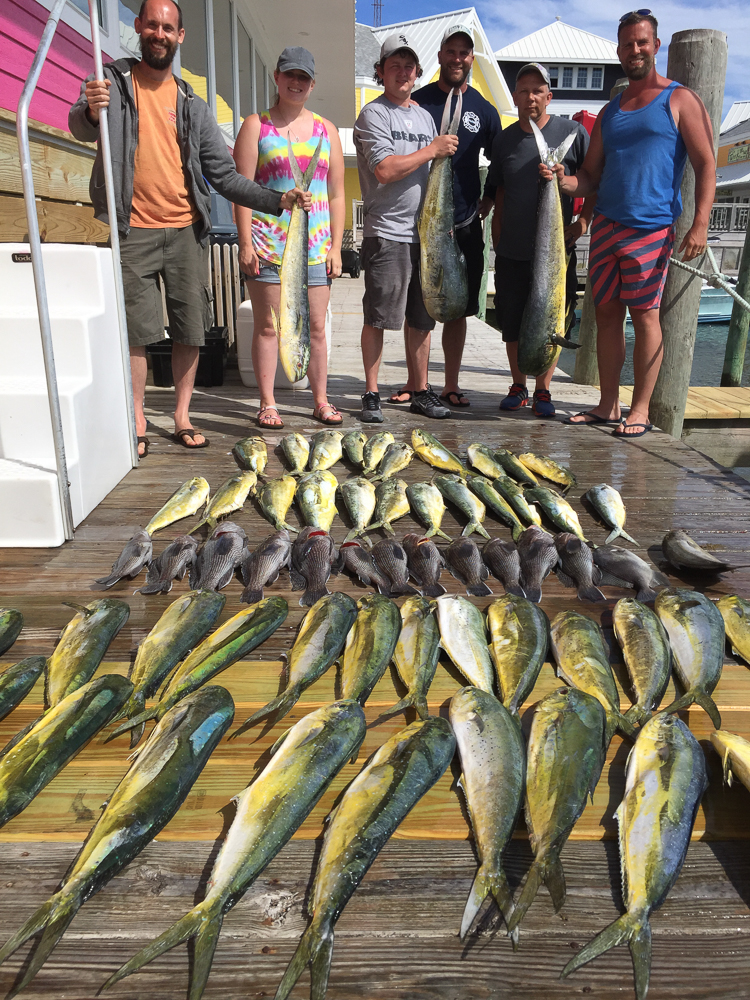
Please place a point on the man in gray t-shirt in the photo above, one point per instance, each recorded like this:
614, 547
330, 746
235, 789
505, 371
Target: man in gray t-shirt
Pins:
395, 141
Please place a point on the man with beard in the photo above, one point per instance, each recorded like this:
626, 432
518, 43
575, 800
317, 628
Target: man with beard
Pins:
635, 162
478, 126
515, 175
165, 145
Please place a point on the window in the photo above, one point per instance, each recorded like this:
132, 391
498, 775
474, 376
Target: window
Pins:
577, 77
553, 74
83, 6
567, 77
597, 78
245, 71
193, 55
582, 80
224, 58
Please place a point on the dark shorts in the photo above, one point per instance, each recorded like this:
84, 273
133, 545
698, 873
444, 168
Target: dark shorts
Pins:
470, 240
629, 264
512, 287
392, 288
176, 255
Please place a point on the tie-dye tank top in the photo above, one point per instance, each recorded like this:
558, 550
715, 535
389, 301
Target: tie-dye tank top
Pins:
274, 171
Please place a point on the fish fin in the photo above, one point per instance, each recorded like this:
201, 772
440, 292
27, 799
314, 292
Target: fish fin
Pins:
133, 722
433, 590
534, 879
637, 715
198, 924
487, 883
558, 155
614, 533
565, 578
282, 705
479, 590
311, 597
554, 879
108, 581
53, 918
294, 165
617, 721
408, 701
438, 531
475, 526
591, 594
629, 538
298, 581
631, 928
279, 741
541, 142
646, 595
78, 607
315, 948
250, 596
697, 697
559, 341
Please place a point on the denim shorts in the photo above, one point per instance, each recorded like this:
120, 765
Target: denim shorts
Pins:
268, 274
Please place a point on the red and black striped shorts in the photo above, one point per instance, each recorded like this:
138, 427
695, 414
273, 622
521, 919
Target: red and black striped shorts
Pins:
628, 264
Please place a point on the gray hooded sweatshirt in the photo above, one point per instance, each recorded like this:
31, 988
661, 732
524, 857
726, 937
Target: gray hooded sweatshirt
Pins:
204, 152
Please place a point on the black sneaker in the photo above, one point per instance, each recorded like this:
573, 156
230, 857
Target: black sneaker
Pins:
428, 404
371, 412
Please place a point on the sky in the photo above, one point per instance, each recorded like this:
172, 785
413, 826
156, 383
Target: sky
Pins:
507, 22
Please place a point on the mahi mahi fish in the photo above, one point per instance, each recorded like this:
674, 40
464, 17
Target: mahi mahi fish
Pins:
444, 275
549, 469
645, 649
371, 809
16, 682
353, 444
316, 496
369, 646
229, 497
82, 646
325, 451
11, 623
187, 500
359, 498
542, 332
463, 636
296, 451
252, 453
292, 324
268, 812
391, 502
142, 804
493, 766
736, 614
565, 758
455, 489
519, 639
434, 452
275, 498
664, 782
427, 503
608, 504
374, 449
416, 654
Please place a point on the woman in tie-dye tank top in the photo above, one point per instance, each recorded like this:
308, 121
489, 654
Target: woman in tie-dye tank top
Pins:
261, 153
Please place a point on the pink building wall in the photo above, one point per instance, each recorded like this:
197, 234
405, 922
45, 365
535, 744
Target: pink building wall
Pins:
69, 60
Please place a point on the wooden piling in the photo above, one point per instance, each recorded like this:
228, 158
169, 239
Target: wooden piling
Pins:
734, 358
697, 59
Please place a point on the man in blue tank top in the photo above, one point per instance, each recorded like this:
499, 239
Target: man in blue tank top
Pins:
636, 159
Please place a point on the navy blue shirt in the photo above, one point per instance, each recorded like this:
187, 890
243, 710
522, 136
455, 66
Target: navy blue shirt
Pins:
479, 125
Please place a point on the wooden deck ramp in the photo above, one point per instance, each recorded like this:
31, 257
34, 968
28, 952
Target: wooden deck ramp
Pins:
398, 936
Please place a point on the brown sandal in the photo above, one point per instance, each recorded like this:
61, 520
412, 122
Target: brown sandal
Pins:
270, 421
333, 416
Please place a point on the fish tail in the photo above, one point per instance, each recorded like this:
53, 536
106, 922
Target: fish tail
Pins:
547, 869
200, 923
108, 581
646, 595
250, 596
615, 721
137, 720
479, 590
475, 526
633, 928
411, 700
53, 918
559, 341
311, 597
697, 697
403, 588
590, 594
638, 715
354, 533
281, 705
315, 949
433, 590
516, 531
157, 587
437, 531
614, 533
487, 883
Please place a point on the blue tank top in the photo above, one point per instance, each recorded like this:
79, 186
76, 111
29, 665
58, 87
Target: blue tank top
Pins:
644, 160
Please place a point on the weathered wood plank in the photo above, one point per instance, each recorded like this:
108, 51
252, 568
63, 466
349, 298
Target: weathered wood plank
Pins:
59, 222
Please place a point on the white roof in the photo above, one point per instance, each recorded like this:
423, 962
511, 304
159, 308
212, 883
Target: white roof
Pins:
734, 175
560, 42
426, 33
739, 112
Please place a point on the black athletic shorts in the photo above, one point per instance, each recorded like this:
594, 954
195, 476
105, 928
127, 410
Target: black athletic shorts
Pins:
470, 240
512, 286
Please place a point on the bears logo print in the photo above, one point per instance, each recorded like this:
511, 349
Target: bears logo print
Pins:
471, 121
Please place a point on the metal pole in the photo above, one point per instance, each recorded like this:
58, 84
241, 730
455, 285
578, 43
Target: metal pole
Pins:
35, 245
734, 359
114, 238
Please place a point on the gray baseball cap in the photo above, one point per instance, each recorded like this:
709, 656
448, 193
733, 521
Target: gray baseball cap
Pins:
457, 29
295, 57
534, 68
398, 40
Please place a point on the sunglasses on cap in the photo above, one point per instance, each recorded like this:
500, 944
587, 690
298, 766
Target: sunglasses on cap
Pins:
643, 12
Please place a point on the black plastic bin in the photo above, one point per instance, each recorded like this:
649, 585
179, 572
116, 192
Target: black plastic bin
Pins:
210, 363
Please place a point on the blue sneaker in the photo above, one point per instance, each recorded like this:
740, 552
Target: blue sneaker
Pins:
542, 405
518, 396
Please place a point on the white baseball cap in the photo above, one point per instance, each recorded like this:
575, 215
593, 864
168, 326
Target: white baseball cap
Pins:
393, 43
457, 29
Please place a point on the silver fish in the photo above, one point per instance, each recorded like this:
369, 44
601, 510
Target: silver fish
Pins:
425, 564
465, 564
622, 568
645, 649
297, 451
326, 450
353, 444
502, 559
359, 499
178, 557
538, 557
313, 555
683, 552
219, 558
261, 566
136, 554
396, 458
608, 504
374, 450
577, 567
390, 558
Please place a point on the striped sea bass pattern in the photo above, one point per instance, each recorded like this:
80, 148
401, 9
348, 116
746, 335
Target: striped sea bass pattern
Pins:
274, 171
629, 264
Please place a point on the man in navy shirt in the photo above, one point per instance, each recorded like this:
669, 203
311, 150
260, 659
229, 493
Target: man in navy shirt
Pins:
479, 125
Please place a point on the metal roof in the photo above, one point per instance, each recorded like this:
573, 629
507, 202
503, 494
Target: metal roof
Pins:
734, 175
560, 42
426, 33
738, 113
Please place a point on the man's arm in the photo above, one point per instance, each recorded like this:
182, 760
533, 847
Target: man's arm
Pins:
694, 124
395, 168
83, 117
586, 180
373, 137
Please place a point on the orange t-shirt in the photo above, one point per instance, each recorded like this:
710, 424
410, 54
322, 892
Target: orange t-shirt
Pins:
161, 199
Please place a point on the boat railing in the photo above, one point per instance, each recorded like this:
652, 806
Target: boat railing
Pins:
729, 218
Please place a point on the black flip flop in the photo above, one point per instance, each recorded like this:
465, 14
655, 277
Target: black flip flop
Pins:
402, 392
179, 438
144, 441
454, 399
595, 420
638, 434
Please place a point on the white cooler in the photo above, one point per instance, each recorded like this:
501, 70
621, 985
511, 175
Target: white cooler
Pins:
244, 337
